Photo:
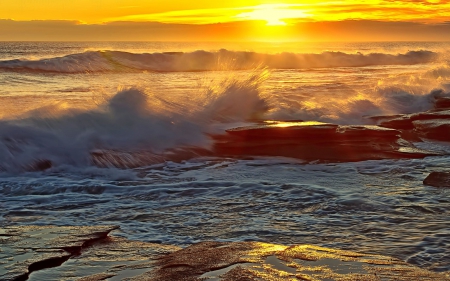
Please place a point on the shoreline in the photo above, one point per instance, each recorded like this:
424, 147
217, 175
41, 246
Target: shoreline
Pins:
92, 254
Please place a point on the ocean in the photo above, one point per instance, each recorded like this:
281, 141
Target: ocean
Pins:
62, 102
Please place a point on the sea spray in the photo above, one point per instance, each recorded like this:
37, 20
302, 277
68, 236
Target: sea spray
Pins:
235, 100
131, 121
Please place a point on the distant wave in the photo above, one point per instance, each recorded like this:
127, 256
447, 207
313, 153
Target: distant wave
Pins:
116, 61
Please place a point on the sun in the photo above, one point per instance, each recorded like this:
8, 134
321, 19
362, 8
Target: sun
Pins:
273, 14
274, 21
272, 17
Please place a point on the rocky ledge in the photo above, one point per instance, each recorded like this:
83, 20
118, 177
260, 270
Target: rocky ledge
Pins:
89, 254
391, 137
433, 124
308, 141
317, 141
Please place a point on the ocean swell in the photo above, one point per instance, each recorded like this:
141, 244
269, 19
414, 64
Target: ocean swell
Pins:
117, 61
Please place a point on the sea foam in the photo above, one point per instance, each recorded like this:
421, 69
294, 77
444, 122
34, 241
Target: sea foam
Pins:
132, 120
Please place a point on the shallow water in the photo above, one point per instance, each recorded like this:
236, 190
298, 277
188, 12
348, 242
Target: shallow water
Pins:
371, 206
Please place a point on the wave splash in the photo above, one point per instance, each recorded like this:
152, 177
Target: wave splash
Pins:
355, 110
117, 61
130, 121
137, 127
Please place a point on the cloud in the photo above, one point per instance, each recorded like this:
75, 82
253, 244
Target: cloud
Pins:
386, 10
214, 15
380, 10
198, 16
207, 11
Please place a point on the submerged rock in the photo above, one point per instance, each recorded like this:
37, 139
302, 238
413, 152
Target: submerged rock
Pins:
438, 179
127, 160
124, 160
40, 165
87, 254
316, 141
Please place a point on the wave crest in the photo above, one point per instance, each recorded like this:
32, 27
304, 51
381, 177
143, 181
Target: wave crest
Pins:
117, 61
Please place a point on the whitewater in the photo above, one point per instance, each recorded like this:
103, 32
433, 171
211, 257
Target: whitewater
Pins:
121, 133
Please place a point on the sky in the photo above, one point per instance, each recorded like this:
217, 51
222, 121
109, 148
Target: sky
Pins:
234, 20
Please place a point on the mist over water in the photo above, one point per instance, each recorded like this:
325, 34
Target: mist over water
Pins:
130, 120
63, 102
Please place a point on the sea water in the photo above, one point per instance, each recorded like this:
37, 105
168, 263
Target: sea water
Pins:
61, 101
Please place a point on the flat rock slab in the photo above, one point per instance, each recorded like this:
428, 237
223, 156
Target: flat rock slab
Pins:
438, 179
24, 249
317, 141
405, 122
252, 261
115, 258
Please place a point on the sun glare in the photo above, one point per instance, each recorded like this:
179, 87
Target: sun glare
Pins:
273, 14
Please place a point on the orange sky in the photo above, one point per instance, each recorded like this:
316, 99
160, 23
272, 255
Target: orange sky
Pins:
235, 19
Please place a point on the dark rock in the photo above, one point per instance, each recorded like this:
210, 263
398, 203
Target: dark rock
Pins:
438, 179
410, 135
431, 125
316, 141
436, 129
124, 160
41, 165
442, 103
430, 115
405, 122
400, 123
133, 159
377, 119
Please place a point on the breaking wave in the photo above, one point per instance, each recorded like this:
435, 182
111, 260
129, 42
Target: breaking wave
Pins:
133, 127
117, 61
136, 127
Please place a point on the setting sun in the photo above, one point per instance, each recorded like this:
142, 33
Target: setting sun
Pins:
273, 14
